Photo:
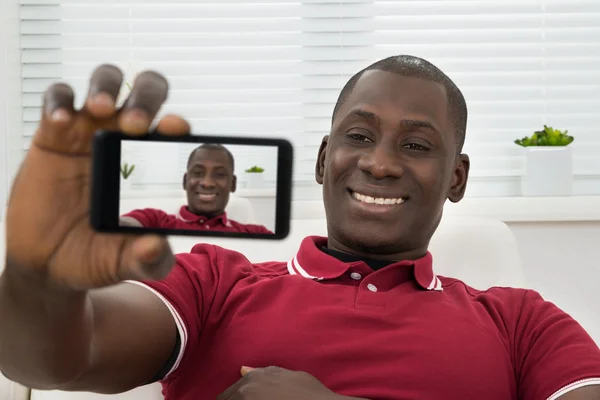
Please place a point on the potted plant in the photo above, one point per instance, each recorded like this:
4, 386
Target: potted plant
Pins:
126, 171
254, 176
548, 163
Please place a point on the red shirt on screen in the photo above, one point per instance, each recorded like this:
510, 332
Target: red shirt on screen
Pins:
397, 332
184, 219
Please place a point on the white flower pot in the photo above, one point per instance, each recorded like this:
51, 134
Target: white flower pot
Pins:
254, 180
548, 171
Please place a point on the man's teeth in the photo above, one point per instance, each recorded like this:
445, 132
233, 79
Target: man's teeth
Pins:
377, 200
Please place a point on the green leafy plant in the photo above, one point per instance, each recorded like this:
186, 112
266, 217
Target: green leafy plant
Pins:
255, 170
127, 170
547, 137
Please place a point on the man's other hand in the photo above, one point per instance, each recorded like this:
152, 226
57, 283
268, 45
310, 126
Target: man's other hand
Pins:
274, 383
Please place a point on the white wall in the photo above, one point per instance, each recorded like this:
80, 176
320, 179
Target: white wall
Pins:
562, 262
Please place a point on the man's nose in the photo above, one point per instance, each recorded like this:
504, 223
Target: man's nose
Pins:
382, 161
208, 182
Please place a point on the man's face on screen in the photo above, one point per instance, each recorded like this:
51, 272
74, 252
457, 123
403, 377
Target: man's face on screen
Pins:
208, 182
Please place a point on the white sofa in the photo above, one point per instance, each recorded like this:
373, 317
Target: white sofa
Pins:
481, 252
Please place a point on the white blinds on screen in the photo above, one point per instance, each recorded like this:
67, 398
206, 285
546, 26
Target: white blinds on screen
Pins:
275, 67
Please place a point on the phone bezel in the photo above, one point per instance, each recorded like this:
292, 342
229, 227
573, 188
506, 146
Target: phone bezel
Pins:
105, 182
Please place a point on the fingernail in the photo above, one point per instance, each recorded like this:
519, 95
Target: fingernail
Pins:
246, 369
103, 99
60, 115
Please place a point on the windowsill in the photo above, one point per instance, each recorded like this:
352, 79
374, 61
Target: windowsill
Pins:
530, 209
506, 209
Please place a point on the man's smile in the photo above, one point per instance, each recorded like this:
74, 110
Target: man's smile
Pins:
206, 196
375, 203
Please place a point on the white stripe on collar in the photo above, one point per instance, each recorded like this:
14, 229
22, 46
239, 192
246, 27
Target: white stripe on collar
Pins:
180, 217
293, 266
436, 284
290, 268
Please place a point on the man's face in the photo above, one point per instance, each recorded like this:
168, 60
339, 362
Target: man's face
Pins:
388, 167
208, 182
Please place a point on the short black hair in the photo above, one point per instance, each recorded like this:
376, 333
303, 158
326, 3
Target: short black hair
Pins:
213, 146
411, 66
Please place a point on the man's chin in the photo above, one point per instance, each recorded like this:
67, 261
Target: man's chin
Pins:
374, 240
205, 211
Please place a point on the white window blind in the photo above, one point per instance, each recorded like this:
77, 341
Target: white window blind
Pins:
275, 67
161, 166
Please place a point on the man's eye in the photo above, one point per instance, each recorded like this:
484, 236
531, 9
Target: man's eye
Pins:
359, 137
415, 146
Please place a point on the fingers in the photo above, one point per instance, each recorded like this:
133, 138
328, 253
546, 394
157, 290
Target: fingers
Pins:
105, 85
57, 106
147, 257
147, 96
173, 125
232, 390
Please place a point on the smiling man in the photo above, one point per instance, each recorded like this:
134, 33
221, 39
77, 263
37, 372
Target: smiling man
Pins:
359, 314
208, 182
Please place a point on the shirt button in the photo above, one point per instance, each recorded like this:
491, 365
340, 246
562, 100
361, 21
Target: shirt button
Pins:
356, 276
372, 287
207, 227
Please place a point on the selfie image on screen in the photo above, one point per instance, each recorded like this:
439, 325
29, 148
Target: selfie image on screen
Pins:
194, 186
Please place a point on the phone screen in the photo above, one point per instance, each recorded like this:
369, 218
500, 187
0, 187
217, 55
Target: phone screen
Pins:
195, 185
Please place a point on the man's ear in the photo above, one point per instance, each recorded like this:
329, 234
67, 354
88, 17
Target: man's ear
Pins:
233, 184
320, 167
459, 178
184, 183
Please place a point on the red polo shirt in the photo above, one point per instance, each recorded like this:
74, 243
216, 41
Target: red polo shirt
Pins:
184, 219
400, 332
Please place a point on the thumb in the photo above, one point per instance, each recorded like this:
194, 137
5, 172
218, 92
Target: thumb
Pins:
147, 257
245, 370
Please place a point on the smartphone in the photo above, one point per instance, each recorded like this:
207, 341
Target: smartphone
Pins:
196, 185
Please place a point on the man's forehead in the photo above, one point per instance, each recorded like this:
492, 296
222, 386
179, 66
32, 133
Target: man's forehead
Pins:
381, 88
212, 156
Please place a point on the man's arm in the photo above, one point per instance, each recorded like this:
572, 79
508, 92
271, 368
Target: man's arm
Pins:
555, 358
584, 393
107, 340
57, 329
147, 217
130, 221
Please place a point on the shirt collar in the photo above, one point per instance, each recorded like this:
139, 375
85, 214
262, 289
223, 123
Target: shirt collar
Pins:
312, 263
187, 216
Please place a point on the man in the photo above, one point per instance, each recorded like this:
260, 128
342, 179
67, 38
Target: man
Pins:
360, 314
208, 181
